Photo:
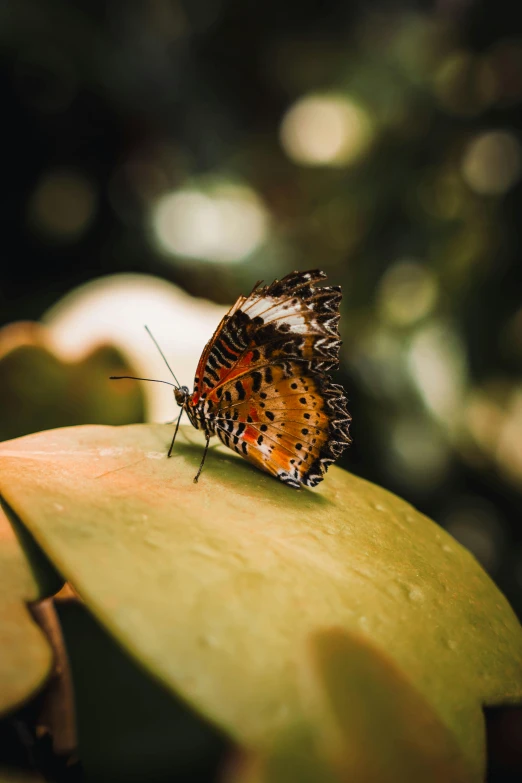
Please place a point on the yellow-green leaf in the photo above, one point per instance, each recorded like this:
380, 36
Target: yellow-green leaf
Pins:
41, 390
25, 655
359, 695
366, 723
215, 587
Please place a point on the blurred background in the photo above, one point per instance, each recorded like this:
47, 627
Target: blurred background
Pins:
161, 157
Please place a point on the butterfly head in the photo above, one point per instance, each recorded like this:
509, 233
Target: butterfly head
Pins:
181, 395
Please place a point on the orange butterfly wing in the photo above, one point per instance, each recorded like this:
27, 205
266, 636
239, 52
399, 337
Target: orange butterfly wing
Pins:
261, 382
293, 427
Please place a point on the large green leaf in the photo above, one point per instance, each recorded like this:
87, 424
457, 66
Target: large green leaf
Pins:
216, 587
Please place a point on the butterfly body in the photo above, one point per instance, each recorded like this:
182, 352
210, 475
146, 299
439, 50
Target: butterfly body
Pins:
262, 386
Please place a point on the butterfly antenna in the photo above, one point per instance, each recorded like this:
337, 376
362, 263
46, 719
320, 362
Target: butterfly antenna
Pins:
134, 378
162, 355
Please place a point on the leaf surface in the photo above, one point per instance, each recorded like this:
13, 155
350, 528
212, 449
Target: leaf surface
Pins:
217, 587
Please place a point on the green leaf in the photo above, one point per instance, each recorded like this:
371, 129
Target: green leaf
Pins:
25, 655
361, 695
216, 587
366, 723
40, 390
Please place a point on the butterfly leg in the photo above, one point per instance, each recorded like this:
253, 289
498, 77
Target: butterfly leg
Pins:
175, 433
202, 461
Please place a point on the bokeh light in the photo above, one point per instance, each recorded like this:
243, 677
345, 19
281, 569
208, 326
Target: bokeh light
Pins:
484, 414
407, 292
326, 130
437, 362
226, 224
492, 163
493, 419
62, 205
509, 447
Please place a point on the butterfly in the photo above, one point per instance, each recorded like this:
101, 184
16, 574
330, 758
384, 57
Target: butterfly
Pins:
262, 386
